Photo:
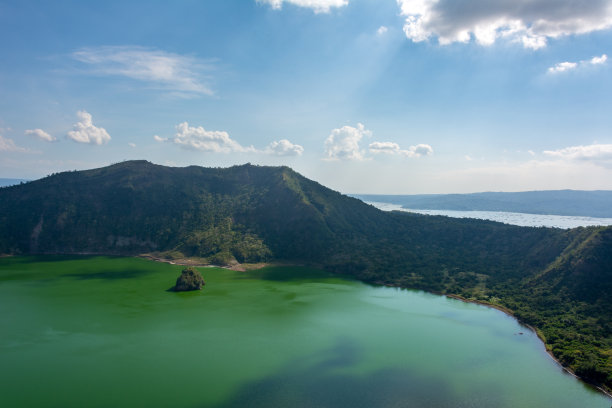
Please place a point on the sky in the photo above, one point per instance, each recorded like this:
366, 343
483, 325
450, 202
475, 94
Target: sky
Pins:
363, 96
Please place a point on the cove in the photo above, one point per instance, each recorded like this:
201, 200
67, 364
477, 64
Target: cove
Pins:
104, 331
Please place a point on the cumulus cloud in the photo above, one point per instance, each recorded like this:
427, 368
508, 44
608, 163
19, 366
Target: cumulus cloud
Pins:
41, 134
382, 30
8, 145
284, 147
318, 6
85, 131
600, 154
530, 22
132, 145
160, 139
569, 66
598, 60
562, 67
174, 72
198, 138
343, 143
393, 148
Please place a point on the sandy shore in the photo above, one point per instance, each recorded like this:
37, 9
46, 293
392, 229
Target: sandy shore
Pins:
200, 262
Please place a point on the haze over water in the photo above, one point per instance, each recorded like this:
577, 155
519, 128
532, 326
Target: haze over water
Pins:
101, 332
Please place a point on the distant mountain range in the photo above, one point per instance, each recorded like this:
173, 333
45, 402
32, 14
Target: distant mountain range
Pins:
557, 280
553, 202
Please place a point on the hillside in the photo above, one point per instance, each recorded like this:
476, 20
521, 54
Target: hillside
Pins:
557, 280
554, 202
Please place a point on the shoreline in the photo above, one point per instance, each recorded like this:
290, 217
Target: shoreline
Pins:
509, 313
198, 262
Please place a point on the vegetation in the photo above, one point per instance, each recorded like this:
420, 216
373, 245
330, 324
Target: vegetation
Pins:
190, 279
558, 281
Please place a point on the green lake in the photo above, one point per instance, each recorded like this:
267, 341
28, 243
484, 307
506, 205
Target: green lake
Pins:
106, 332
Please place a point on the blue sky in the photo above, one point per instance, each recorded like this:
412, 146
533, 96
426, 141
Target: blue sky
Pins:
385, 96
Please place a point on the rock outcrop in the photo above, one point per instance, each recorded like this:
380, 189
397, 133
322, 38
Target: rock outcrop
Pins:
190, 279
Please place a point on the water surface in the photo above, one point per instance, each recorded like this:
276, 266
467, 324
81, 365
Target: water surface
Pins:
522, 219
102, 332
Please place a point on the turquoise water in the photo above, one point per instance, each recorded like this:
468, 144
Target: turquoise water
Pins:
103, 332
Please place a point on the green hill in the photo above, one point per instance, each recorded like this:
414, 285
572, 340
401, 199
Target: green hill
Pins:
547, 277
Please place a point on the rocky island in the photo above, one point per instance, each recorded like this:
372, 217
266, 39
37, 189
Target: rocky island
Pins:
190, 279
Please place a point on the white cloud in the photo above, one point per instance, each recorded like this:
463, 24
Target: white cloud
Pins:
160, 139
41, 134
393, 148
132, 145
284, 147
8, 145
343, 143
599, 154
530, 22
569, 66
318, 6
85, 131
562, 67
382, 30
384, 147
598, 60
198, 138
172, 72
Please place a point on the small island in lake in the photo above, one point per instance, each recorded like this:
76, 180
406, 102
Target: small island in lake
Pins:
190, 279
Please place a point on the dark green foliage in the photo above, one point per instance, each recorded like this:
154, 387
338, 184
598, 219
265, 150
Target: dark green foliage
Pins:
556, 280
190, 279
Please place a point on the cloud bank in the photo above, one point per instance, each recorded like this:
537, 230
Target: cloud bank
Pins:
343, 144
599, 154
40, 134
284, 147
198, 138
569, 66
318, 6
85, 131
169, 71
530, 22
218, 141
8, 145
393, 148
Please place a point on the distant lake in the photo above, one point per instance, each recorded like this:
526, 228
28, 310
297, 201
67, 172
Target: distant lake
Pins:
522, 219
104, 332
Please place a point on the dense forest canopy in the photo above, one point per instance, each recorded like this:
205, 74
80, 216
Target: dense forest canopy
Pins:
556, 280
